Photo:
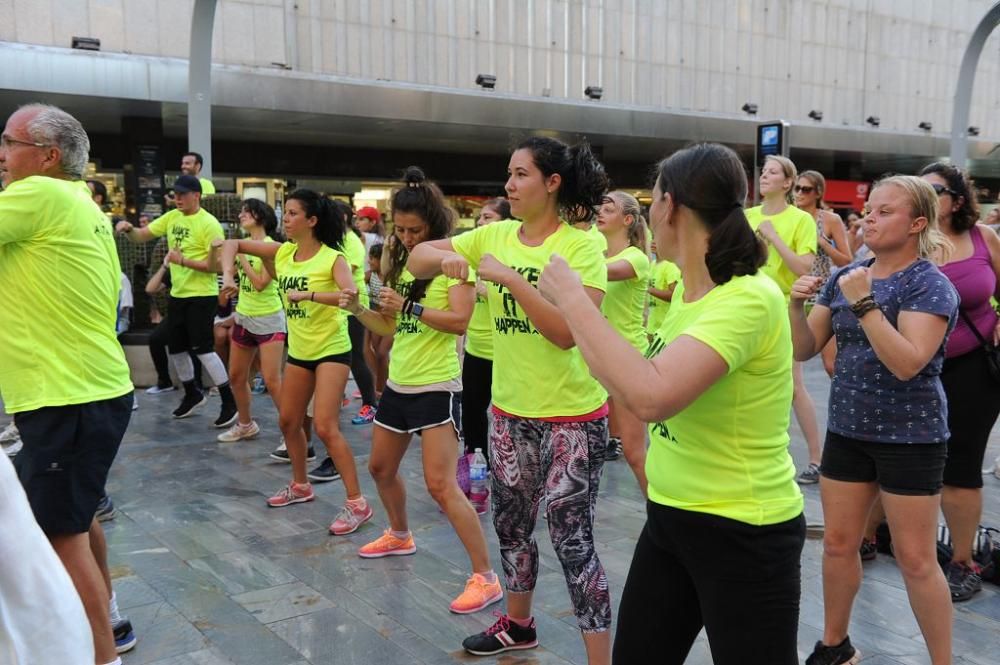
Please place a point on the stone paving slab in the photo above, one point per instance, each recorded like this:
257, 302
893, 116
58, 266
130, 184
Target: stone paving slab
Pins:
209, 575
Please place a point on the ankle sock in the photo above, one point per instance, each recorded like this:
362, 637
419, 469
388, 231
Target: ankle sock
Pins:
523, 623
401, 535
489, 576
358, 504
113, 609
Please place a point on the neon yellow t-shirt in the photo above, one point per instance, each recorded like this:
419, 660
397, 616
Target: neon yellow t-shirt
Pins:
207, 186
727, 452
422, 355
357, 257
314, 330
193, 235
598, 237
664, 273
252, 302
479, 336
797, 229
533, 378
625, 302
59, 287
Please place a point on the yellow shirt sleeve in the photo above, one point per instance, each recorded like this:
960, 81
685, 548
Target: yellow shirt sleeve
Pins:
159, 226
735, 326
586, 258
19, 216
805, 238
639, 262
469, 245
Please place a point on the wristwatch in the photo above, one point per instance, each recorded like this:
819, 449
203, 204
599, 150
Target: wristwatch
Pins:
417, 310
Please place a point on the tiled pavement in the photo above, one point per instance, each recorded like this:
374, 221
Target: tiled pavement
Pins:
210, 575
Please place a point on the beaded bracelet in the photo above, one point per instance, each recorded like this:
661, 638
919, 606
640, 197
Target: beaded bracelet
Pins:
863, 306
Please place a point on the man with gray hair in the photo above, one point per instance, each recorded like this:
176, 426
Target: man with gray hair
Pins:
62, 372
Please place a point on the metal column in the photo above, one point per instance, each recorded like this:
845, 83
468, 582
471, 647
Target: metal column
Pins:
963, 91
200, 83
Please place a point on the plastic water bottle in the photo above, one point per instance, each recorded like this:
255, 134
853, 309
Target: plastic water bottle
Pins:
479, 490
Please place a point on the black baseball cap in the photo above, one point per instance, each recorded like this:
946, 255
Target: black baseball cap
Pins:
187, 183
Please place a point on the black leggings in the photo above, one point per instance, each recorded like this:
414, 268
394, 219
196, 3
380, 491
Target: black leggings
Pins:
477, 391
359, 368
158, 350
973, 406
741, 582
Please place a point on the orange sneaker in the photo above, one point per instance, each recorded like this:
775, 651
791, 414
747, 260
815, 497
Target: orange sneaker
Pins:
478, 594
387, 545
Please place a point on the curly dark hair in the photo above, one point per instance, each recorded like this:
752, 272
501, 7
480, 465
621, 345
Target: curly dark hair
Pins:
329, 228
584, 180
962, 190
421, 197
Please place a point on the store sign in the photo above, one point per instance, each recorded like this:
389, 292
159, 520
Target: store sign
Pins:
772, 139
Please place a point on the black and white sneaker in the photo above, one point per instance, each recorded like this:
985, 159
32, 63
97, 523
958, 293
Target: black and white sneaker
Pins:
325, 472
191, 403
227, 416
614, 449
842, 654
504, 635
281, 454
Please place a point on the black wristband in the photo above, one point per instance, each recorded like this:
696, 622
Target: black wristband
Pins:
312, 296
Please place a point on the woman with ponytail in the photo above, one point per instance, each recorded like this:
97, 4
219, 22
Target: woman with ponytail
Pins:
887, 428
260, 321
792, 240
724, 529
620, 220
424, 391
311, 270
550, 432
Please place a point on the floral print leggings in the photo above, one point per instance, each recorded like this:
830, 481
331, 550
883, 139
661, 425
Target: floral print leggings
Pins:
561, 461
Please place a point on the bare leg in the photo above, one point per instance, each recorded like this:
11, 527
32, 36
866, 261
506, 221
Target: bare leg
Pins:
387, 452
805, 414
963, 510
331, 379
295, 394
76, 555
239, 366
632, 432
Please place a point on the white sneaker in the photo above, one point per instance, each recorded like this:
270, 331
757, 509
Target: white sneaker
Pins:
156, 390
12, 448
240, 431
10, 434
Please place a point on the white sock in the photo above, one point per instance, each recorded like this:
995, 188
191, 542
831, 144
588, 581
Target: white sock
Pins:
183, 366
213, 365
113, 609
116, 661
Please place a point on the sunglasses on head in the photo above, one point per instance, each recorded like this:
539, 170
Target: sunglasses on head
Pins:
805, 189
940, 189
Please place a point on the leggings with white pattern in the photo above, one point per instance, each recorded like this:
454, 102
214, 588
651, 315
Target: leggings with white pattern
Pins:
562, 462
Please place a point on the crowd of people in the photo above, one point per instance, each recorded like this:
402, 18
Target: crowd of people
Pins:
561, 333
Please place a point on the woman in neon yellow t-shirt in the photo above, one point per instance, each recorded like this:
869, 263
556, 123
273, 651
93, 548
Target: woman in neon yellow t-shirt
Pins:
260, 321
620, 220
477, 366
423, 393
311, 270
724, 531
791, 235
549, 434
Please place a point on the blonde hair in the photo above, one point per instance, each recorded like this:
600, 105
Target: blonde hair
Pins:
788, 168
931, 244
637, 236
819, 182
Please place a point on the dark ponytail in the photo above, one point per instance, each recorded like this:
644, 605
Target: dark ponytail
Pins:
329, 228
346, 213
709, 179
584, 181
420, 197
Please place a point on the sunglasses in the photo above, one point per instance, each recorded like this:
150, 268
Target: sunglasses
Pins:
805, 189
940, 189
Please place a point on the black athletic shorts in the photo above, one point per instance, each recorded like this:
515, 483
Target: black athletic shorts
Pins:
192, 324
311, 365
67, 453
408, 414
912, 469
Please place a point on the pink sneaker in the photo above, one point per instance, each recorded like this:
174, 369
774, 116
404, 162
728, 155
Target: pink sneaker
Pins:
350, 518
293, 493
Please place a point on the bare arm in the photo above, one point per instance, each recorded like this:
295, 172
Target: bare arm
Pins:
840, 255
135, 235
651, 389
666, 294
455, 319
800, 264
260, 280
155, 283
619, 271
424, 262
809, 336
